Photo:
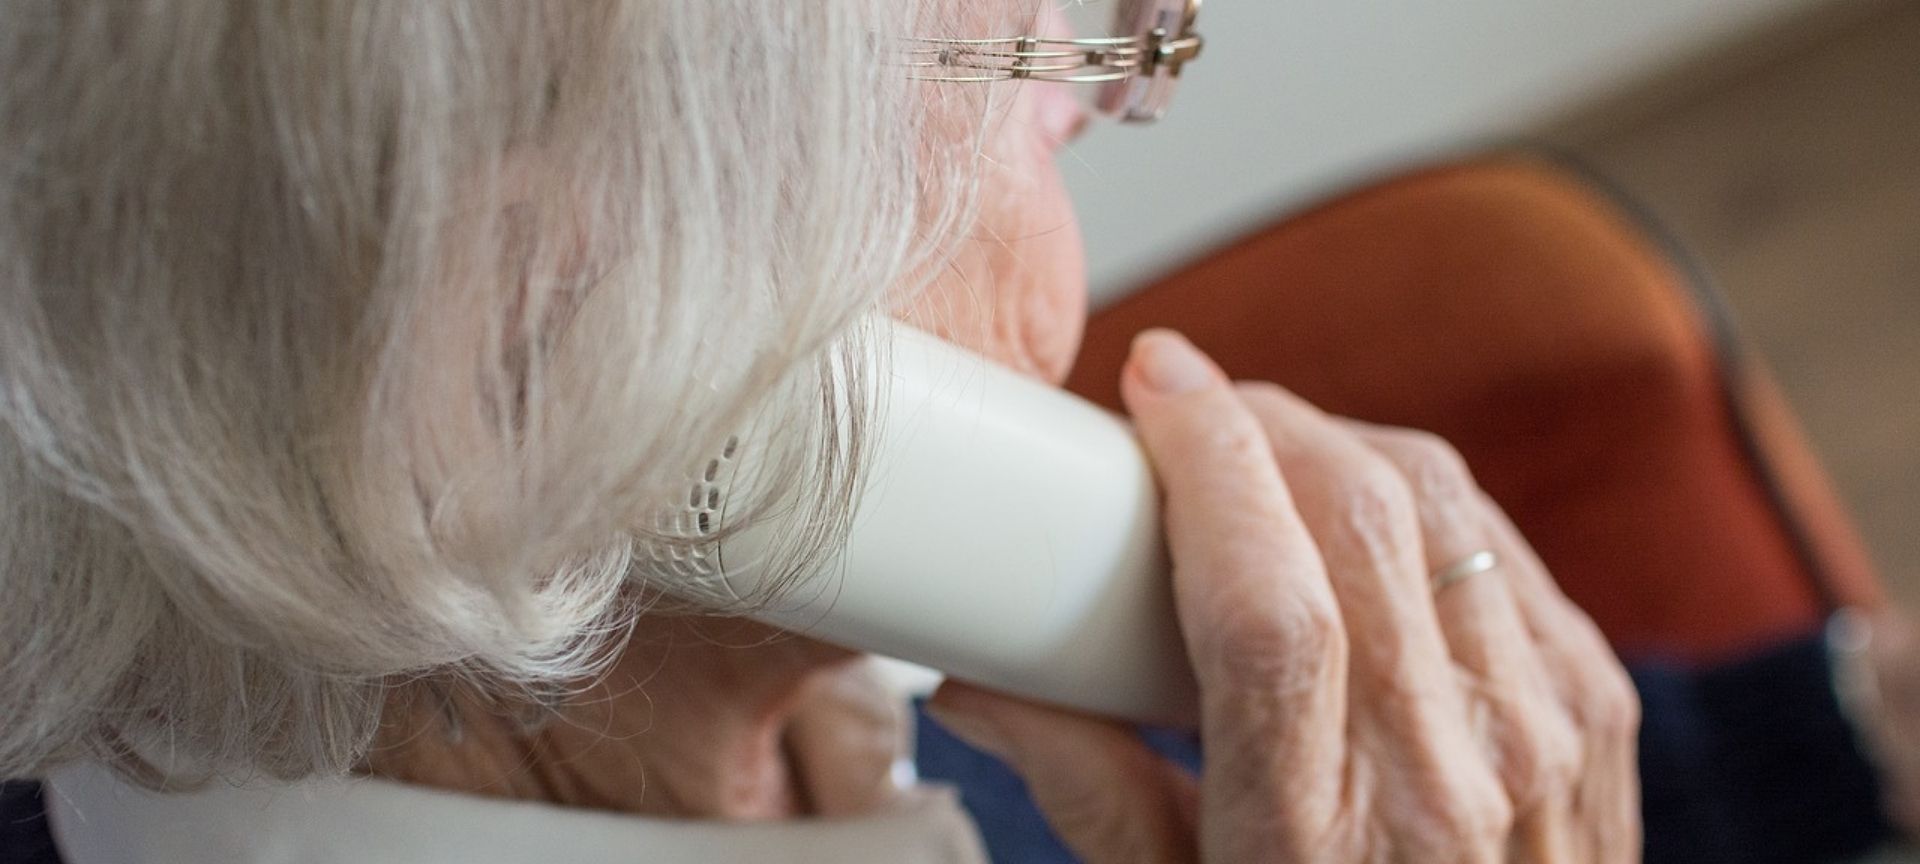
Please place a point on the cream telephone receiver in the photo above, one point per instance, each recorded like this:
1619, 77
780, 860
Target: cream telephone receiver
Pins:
1009, 535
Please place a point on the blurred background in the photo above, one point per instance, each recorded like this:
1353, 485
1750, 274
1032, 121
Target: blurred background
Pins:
1779, 139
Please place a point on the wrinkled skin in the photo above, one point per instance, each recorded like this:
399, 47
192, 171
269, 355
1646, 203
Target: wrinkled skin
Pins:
1350, 713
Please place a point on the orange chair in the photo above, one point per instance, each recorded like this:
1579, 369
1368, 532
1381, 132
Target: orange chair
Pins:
1514, 306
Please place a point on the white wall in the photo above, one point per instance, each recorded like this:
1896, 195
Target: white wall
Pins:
1295, 97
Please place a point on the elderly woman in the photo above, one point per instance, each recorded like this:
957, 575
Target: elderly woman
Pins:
349, 349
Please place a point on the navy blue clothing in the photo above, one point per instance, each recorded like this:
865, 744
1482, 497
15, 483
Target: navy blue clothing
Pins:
23, 825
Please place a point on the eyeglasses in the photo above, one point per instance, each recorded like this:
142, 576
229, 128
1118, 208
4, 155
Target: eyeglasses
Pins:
1136, 73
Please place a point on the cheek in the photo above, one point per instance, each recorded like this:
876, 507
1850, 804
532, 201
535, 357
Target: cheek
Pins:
1016, 288
1054, 302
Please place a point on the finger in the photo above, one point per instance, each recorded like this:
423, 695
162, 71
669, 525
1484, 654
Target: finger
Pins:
1476, 614
1546, 834
1259, 617
843, 740
1109, 797
1534, 744
1590, 681
1362, 513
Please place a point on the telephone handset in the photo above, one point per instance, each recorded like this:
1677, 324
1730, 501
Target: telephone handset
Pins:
1009, 535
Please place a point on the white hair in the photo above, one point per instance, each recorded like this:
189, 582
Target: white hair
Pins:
348, 342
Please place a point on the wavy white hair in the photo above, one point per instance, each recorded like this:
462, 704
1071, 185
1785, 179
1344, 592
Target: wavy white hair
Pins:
344, 342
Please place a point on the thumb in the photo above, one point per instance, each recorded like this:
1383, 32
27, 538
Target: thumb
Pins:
843, 738
1109, 797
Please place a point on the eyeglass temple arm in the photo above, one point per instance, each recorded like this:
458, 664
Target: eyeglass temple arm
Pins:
1045, 59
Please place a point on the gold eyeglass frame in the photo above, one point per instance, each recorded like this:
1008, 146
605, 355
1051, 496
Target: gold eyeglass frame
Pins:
1101, 60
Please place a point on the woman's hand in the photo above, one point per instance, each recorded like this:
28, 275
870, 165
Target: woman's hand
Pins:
1350, 712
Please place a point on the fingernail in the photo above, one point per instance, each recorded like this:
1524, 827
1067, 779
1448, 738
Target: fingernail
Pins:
983, 735
1170, 364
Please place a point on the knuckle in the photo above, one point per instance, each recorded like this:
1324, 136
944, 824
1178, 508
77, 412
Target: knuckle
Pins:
1608, 703
1374, 483
1435, 469
1375, 497
1616, 708
1231, 437
1299, 646
1474, 821
1488, 820
1547, 760
1560, 760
